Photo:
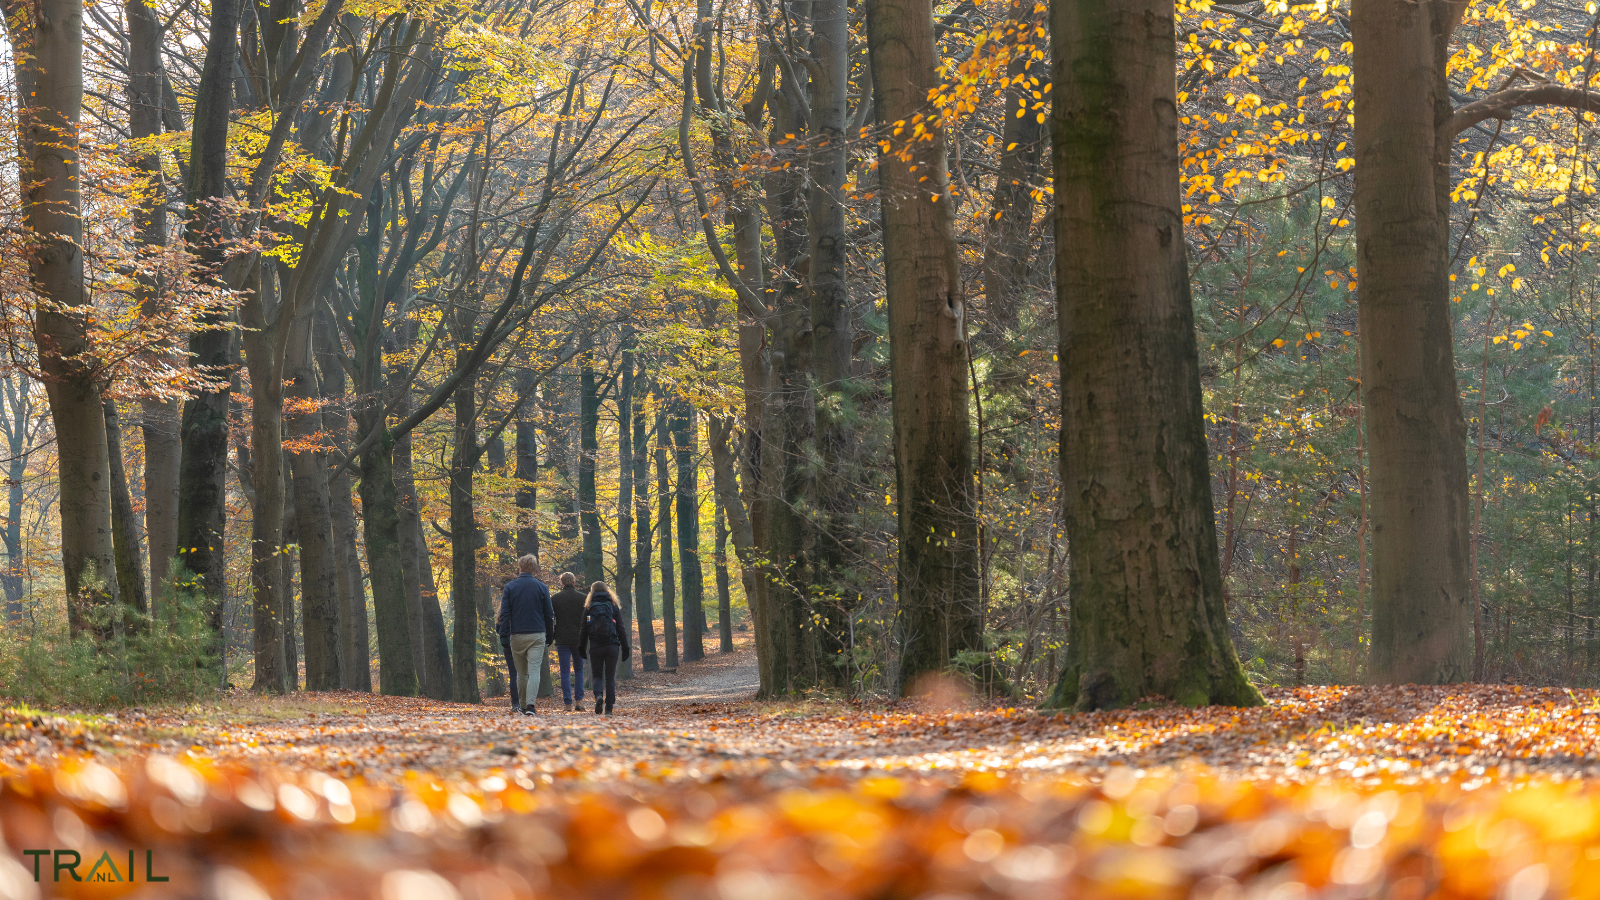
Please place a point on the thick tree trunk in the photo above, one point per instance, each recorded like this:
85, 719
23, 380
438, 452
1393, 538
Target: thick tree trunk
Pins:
643, 591
202, 475
1147, 612
588, 453
266, 520
160, 417
669, 622
124, 527
287, 558
693, 579
724, 587
465, 538
1421, 509
355, 657
624, 553
527, 487
831, 596
312, 515
47, 43
380, 515
430, 646
940, 613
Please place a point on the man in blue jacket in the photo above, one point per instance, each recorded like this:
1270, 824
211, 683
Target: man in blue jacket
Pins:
527, 623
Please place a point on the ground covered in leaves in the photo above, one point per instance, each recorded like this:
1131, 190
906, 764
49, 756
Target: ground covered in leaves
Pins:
695, 791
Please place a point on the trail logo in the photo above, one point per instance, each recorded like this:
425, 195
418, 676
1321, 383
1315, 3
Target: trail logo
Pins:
104, 869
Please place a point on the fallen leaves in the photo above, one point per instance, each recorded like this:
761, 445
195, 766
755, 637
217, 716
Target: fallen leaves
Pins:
1349, 792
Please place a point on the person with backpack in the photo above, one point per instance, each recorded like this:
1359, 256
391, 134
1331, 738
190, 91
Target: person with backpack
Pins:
527, 623
603, 641
569, 604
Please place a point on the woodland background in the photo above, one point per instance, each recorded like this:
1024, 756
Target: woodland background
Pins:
428, 286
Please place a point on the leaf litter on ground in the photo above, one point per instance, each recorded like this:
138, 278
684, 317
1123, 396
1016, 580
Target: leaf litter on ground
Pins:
1404, 792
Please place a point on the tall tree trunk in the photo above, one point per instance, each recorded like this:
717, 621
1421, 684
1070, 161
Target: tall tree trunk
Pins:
312, 514
1421, 511
430, 645
202, 474
724, 592
381, 517
16, 411
683, 440
465, 538
287, 557
669, 622
124, 527
47, 52
643, 592
831, 336
588, 453
624, 585
940, 614
160, 417
355, 656
1147, 613
527, 487
266, 476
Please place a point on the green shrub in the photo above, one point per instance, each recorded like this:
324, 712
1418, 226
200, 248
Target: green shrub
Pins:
147, 659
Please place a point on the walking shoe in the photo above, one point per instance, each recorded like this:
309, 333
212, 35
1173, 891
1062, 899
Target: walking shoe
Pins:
597, 705
529, 710
569, 707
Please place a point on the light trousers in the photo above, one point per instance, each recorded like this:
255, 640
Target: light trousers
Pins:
527, 653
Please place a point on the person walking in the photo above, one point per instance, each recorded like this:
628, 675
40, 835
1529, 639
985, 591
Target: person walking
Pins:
569, 604
527, 623
604, 641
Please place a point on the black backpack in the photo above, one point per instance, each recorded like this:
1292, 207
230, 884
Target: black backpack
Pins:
602, 628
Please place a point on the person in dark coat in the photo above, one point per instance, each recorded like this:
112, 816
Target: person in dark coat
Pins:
569, 605
603, 641
527, 623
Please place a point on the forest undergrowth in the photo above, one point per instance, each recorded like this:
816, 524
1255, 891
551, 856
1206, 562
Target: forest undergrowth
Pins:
1463, 791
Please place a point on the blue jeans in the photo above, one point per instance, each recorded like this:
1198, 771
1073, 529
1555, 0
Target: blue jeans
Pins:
571, 664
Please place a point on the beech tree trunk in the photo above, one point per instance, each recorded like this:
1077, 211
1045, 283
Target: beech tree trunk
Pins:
1421, 507
160, 417
355, 657
1147, 613
47, 52
688, 493
831, 595
380, 517
266, 477
124, 527
937, 580
203, 469
643, 591
312, 515
430, 645
724, 592
287, 557
624, 552
527, 487
465, 538
588, 451
669, 621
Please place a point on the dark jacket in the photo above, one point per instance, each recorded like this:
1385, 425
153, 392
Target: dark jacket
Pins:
525, 608
619, 634
569, 617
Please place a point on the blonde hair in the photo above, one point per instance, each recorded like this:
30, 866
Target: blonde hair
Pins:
528, 563
599, 587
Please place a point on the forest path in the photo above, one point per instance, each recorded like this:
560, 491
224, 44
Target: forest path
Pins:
718, 678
